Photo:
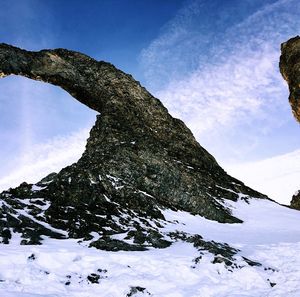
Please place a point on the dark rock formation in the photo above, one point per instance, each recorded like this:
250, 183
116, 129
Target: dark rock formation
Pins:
138, 161
290, 69
138, 290
295, 202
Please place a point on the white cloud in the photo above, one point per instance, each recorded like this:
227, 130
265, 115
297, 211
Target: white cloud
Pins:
44, 158
226, 94
278, 177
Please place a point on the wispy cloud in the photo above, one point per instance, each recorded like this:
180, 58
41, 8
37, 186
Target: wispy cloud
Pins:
44, 158
222, 77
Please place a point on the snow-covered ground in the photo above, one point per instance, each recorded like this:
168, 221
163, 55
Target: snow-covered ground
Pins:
278, 176
270, 235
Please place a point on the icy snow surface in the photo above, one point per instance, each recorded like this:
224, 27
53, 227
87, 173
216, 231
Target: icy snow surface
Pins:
270, 235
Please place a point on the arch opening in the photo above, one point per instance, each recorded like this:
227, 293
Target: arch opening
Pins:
41, 129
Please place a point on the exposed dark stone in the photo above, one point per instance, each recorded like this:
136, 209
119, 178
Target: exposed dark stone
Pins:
271, 283
151, 237
31, 257
251, 263
138, 161
215, 248
135, 290
295, 203
6, 236
222, 252
68, 282
102, 270
94, 278
115, 245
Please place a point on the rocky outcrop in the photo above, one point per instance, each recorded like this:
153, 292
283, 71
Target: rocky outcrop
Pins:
290, 69
295, 203
138, 161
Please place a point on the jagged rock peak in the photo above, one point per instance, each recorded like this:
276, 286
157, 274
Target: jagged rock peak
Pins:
138, 160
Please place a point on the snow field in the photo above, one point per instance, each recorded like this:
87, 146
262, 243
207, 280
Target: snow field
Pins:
269, 235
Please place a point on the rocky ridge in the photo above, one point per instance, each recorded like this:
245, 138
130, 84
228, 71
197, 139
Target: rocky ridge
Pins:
138, 161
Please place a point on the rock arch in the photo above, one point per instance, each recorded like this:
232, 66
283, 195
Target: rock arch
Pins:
137, 156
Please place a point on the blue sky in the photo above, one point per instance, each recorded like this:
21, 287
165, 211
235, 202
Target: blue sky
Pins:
213, 63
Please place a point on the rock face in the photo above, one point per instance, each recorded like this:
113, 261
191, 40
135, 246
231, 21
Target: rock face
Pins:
295, 203
290, 69
138, 161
